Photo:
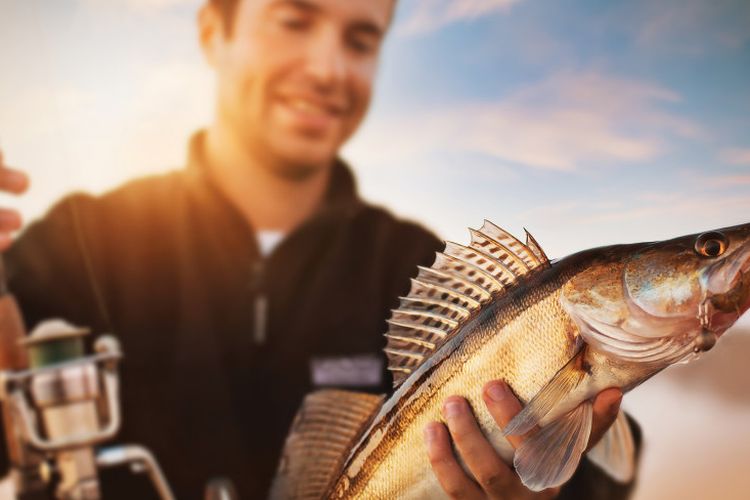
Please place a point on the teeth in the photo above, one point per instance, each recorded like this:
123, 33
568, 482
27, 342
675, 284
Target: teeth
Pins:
306, 106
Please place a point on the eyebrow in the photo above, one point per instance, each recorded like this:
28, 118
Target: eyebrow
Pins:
362, 25
368, 28
300, 4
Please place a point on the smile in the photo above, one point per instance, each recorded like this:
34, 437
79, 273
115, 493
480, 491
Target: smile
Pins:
313, 106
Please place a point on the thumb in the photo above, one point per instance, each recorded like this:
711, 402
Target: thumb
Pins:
606, 408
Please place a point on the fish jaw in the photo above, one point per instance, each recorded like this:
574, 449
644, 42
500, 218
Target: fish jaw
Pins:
727, 292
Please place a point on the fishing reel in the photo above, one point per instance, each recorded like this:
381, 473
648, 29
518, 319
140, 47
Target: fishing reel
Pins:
60, 409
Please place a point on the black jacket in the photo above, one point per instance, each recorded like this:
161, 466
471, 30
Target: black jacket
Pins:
169, 266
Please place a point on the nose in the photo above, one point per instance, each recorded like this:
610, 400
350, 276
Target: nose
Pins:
326, 60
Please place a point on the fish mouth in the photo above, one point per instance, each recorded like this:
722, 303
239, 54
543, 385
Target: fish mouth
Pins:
726, 307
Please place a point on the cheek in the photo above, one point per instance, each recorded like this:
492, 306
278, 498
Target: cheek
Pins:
361, 82
247, 68
663, 287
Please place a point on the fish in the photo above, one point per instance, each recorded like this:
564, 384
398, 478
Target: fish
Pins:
557, 332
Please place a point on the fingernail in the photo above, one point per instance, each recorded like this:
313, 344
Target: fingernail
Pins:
430, 432
453, 408
498, 392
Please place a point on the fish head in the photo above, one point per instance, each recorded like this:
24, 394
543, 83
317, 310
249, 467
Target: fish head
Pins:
726, 279
702, 278
661, 301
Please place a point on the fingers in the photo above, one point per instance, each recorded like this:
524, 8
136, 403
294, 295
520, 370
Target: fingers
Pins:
482, 460
495, 478
606, 407
449, 473
9, 221
503, 405
13, 181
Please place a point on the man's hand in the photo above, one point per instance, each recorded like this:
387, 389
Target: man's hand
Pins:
494, 479
16, 182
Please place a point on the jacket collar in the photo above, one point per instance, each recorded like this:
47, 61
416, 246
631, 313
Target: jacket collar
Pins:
341, 198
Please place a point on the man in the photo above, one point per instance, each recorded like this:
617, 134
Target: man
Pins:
256, 274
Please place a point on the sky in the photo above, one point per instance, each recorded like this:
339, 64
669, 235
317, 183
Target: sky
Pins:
587, 122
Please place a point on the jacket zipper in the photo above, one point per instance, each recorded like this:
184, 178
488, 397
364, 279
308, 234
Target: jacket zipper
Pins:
260, 304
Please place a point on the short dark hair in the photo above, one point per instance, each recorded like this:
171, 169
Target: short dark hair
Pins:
227, 9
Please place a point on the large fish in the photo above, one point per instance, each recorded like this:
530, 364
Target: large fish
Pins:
557, 332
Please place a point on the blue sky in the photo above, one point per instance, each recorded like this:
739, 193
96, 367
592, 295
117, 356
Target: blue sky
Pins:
609, 121
588, 122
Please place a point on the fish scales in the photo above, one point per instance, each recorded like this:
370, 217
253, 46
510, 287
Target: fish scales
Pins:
528, 334
557, 333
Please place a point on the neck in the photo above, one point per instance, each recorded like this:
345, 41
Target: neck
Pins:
266, 198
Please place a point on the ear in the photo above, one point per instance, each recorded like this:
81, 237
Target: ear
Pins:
210, 32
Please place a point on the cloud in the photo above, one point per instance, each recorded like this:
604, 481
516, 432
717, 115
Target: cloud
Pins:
98, 137
644, 208
736, 156
429, 15
142, 6
566, 122
590, 220
730, 180
691, 26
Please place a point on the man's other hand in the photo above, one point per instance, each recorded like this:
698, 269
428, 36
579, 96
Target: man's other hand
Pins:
16, 182
494, 479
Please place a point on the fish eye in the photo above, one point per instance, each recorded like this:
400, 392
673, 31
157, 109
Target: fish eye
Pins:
711, 244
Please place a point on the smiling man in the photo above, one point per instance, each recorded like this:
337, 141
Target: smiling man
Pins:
256, 274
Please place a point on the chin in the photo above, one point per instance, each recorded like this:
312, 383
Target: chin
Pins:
295, 171
300, 161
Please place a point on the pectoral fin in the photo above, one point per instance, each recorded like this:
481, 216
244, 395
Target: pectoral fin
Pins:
550, 456
555, 391
615, 453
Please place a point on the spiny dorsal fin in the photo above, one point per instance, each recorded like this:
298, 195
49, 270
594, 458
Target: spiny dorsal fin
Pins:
325, 428
512, 243
534, 246
499, 252
482, 261
444, 296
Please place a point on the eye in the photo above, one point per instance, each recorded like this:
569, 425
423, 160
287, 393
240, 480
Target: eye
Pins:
711, 244
292, 18
362, 44
295, 23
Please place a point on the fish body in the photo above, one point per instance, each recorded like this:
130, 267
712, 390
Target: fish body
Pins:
557, 333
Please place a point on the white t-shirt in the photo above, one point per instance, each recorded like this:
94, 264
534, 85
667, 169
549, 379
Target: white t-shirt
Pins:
268, 239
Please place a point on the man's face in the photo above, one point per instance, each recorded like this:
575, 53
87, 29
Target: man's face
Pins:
295, 76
